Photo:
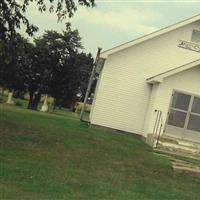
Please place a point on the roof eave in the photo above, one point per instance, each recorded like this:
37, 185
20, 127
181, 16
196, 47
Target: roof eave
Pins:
150, 36
154, 81
160, 77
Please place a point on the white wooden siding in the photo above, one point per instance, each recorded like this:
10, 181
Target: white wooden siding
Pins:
95, 94
187, 81
123, 94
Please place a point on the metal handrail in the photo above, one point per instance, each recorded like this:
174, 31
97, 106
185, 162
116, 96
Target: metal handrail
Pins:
158, 126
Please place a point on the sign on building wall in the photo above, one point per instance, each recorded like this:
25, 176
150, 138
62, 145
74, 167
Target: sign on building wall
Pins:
189, 45
194, 45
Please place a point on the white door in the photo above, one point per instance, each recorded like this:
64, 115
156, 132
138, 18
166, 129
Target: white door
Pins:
184, 117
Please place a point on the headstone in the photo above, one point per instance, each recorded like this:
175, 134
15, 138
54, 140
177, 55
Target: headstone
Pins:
45, 105
9, 100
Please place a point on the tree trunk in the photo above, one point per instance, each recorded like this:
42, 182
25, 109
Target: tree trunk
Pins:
54, 104
36, 101
72, 107
68, 103
2, 92
30, 103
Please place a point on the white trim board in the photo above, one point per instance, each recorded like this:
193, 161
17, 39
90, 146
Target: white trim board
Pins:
149, 36
159, 77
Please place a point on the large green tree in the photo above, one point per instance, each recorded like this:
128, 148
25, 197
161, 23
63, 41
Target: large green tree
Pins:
64, 70
12, 16
75, 76
10, 75
53, 65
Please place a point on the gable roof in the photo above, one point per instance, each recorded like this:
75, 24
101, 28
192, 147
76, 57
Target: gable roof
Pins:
159, 77
149, 36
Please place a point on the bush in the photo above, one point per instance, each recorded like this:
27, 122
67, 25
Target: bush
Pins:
78, 107
18, 103
1, 99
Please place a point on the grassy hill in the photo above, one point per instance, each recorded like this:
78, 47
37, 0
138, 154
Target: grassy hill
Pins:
55, 156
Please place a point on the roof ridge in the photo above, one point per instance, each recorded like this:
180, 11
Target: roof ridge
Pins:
154, 32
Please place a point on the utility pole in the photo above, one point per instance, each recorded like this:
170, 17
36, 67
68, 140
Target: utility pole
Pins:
90, 83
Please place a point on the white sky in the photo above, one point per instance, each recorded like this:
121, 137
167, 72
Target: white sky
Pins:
114, 22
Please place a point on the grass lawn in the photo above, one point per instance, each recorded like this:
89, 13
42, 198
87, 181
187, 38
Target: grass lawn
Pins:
55, 156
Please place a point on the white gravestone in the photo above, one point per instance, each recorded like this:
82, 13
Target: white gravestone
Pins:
45, 105
9, 100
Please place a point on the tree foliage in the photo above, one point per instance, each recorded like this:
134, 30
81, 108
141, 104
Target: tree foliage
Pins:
55, 66
13, 13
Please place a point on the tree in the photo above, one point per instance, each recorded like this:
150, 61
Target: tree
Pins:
44, 69
28, 71
12, 16
54, 53
71, 73
84, 64
35, 70
4, 61
11, 79
53, 65
57, 68
72, 80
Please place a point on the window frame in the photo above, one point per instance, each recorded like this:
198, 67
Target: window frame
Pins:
188, 112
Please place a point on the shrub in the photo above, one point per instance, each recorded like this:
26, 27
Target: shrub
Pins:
78, 107
18, 103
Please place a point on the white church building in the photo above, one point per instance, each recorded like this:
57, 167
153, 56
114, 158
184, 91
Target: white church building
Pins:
151, 86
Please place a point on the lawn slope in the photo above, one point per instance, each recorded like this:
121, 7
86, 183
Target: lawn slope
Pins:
52, 156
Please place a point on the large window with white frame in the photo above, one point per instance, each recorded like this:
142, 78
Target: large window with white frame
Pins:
184, 111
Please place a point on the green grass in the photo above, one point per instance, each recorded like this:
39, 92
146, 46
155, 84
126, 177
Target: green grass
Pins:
55, 156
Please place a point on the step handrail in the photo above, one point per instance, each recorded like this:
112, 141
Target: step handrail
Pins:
158, 126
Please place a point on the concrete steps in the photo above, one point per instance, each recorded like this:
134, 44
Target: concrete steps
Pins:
179, 147
180, 166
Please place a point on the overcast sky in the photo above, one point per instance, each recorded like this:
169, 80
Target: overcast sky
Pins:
114, 22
